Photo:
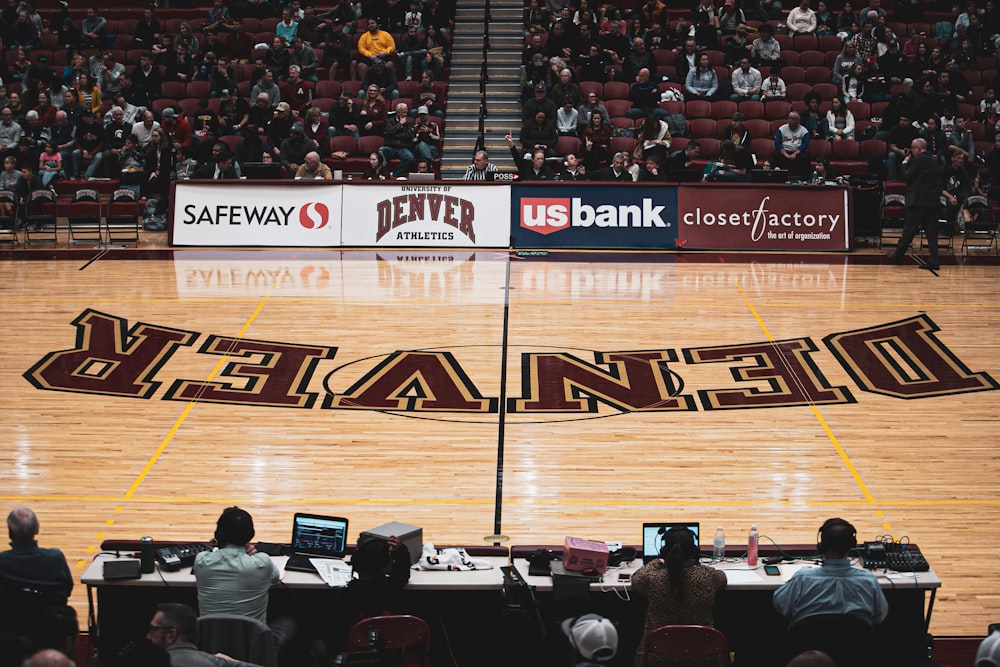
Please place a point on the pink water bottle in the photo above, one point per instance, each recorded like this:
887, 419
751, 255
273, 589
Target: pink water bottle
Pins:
752, 547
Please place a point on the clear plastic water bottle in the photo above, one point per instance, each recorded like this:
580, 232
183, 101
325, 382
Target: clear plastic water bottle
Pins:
815, 178
719, 544
752, 541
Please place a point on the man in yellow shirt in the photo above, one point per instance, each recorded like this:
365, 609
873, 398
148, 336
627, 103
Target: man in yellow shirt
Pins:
375, 43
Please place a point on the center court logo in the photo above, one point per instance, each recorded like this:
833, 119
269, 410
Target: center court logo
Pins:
547, 215
314, 215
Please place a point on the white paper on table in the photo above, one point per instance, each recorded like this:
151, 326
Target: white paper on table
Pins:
335, 573
742, 576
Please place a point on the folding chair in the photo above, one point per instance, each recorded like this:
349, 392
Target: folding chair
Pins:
39, 213
239, 637
83, 213
981, 228
122, 219
381, 636
8, 221
686, 641
893, 219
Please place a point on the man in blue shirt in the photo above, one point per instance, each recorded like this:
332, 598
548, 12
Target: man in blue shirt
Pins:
836, 588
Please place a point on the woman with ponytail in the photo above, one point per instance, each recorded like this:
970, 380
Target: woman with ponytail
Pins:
677, 590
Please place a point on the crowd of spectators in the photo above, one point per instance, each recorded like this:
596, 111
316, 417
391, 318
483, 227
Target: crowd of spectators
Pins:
877, 77
201, 96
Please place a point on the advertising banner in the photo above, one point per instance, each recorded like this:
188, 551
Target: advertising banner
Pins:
798, 218
593, 216
439, 216
243, 213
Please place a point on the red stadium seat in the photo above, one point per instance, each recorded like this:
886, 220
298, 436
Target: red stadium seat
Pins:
818, 74
198, 89
723, 109
623, 122
716, 58
567, 145
830, 43
762, 148
845, 149
791, 58
328, 89
231, 141
345, 143
792, 75
368, 145
826, 91
173, 89
189, 106
805, 43
616, 90
709, 147
663, 57
758, 127
978, 130
873, 148
697, 109
626, 144
820, 148
162, 103
785, 42
751, 109
617, 107
777, 110
861, 110
809, 59
702, 127
587, 87
797, 91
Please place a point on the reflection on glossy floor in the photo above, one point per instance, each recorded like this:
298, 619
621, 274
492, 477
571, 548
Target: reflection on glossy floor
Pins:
141, 397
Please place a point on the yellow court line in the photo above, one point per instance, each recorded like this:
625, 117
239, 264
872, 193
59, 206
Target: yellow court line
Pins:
190, 406
869, 498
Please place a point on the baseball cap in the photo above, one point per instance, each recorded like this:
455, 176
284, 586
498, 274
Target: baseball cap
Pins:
423, 110
592, 636
297, 127
540, 86
225, 94
168, 113
988, 654
283, 106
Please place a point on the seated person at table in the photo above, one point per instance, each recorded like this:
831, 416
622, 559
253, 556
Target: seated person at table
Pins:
677, 589
26, 565
235, 578
836, 588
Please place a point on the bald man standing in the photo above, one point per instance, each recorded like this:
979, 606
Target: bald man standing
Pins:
923, 202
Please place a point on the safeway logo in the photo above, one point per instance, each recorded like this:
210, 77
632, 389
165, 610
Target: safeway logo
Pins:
314, 215
547, 215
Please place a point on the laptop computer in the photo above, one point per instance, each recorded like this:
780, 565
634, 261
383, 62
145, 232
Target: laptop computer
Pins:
769, 175
653, 535
422, 176
261, 170
316, 536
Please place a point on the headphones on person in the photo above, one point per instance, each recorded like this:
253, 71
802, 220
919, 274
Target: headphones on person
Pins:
235, 526
836, 535
682, 537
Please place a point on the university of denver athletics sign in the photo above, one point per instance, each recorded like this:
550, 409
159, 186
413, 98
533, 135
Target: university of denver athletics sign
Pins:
902, 359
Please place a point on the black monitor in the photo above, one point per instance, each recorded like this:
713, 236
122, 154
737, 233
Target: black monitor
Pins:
769, 175
684, 176
257, 171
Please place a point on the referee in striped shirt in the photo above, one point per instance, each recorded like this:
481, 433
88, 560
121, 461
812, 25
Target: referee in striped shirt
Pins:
480, 166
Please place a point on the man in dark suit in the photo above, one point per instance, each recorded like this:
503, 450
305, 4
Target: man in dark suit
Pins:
923, 202
616, 171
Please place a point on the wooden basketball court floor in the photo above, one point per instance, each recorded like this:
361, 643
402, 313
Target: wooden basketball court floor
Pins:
474, 393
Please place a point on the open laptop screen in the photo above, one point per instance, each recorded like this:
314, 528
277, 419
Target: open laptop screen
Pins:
317, 535
653, 535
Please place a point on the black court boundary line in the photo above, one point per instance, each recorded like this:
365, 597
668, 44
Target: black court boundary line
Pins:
93, 259
502, 407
